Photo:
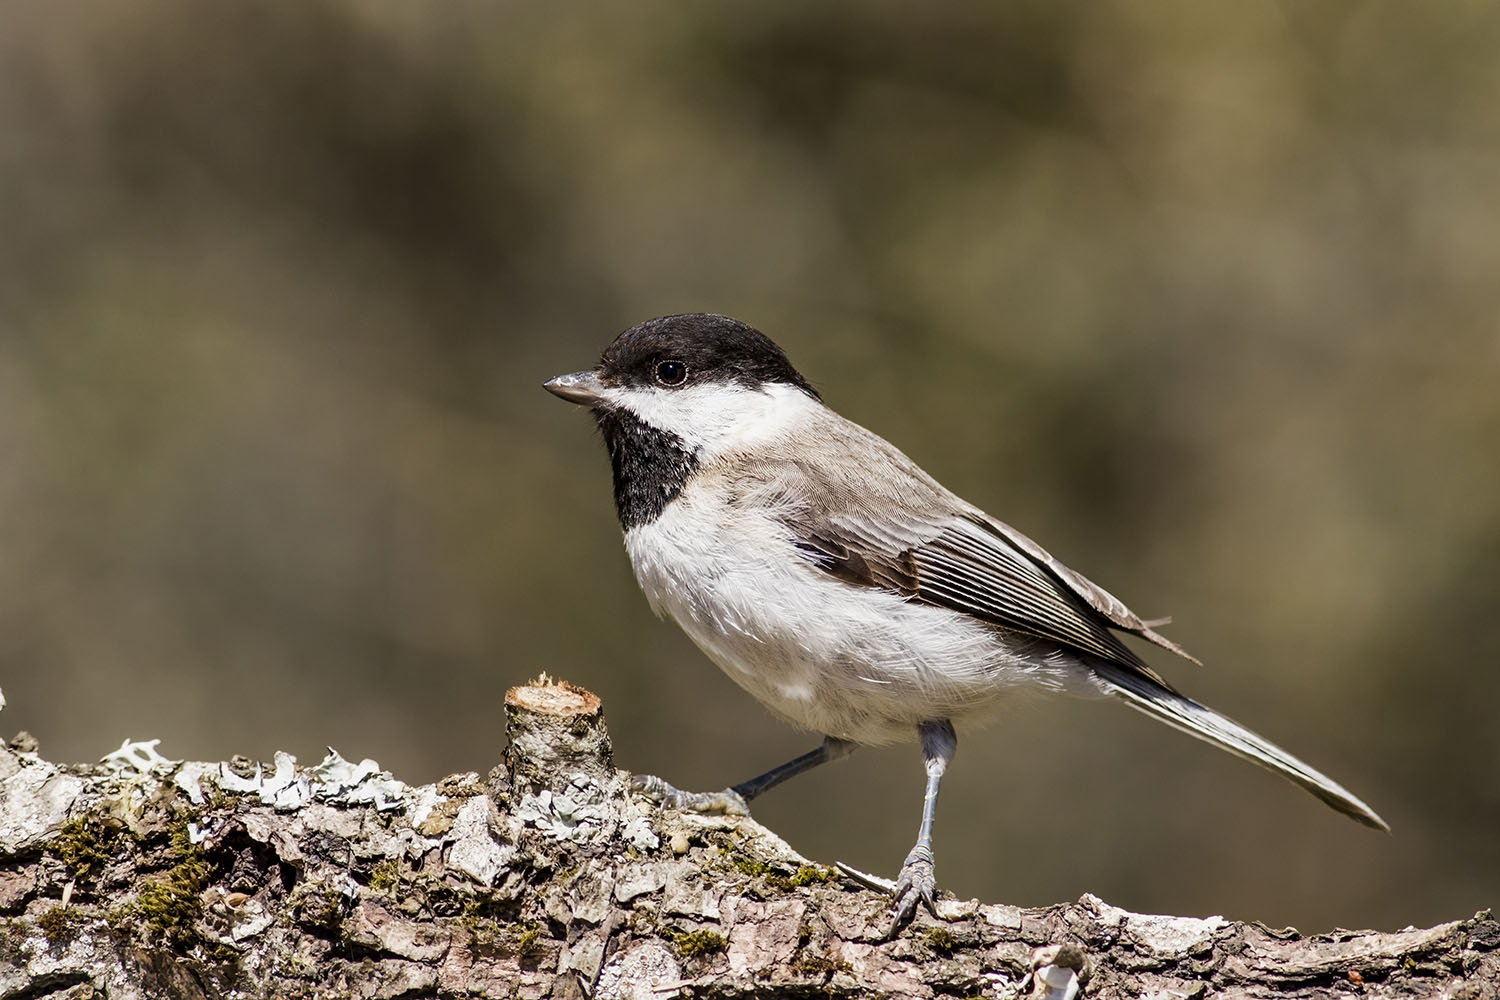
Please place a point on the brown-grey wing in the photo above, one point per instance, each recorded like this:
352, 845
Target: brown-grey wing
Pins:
1091, 593
904, 532
960, 562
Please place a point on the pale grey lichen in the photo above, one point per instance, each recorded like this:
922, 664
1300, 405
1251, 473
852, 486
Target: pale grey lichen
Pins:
420, 803
647, 969
231, 781
582, 812
190, 777
333, 780
474, 850
346, 783
285, 790
139, 756
638, 833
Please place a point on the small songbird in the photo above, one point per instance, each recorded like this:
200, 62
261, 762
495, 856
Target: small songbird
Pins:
841, 585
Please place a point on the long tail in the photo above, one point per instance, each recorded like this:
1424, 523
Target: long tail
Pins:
1180, 712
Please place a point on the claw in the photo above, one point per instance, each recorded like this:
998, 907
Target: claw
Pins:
917, 883
728, 802
872, 882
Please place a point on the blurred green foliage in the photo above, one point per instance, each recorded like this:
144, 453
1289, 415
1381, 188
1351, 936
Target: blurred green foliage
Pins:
1202, 296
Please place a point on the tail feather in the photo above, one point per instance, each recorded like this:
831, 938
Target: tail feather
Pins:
1180, 712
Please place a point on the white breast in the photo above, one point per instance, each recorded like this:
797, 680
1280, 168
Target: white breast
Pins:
839, 659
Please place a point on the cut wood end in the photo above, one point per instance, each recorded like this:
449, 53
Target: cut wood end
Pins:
552, 697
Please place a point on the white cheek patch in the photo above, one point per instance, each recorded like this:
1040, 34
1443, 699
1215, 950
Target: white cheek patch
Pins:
713, 418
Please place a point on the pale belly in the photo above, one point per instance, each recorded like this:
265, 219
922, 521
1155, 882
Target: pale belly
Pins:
856, 663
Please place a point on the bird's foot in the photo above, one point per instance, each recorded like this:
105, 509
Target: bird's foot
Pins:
728, 802
917, 883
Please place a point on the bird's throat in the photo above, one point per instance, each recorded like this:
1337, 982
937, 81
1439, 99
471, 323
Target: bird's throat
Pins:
651, 466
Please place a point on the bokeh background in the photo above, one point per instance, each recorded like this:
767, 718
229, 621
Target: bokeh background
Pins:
1206, 297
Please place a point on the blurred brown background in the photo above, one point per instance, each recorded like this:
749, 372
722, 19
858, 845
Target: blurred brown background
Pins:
1204, 297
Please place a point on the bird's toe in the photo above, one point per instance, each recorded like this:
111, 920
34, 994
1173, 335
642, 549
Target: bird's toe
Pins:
728, 801
917, 883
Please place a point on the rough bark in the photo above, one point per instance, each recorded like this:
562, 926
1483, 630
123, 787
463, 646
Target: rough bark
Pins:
145, 877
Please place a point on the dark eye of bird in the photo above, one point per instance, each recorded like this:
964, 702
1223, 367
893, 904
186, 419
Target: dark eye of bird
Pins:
671, 373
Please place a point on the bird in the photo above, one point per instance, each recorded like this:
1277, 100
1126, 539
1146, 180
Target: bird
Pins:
842, 586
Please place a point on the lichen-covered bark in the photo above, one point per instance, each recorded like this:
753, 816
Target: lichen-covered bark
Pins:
144, 877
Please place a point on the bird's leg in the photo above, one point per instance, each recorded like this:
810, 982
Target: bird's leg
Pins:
733, 801
832, 748
918, 881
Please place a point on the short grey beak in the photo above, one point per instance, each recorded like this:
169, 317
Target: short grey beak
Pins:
579, 387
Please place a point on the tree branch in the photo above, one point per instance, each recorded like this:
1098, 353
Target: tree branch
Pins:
145, 877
